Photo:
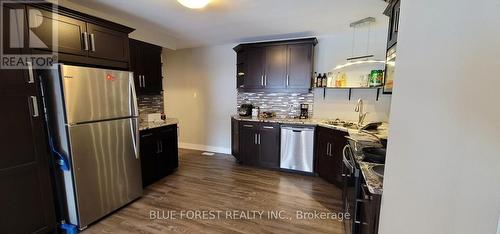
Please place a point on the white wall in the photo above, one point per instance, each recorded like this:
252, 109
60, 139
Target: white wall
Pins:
334, 50
200, 90
443, 162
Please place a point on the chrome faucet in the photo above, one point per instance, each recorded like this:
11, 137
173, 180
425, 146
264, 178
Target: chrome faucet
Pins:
361, 116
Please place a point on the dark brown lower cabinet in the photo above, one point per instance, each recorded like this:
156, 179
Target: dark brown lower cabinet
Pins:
159, 153
235, 140
369, 210
26, 200
269, 142
329, 147
249, 147
259, 144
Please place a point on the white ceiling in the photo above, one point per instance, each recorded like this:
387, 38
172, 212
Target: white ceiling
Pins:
235, 21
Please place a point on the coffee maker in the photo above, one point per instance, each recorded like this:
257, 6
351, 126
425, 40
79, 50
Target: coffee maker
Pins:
304, 111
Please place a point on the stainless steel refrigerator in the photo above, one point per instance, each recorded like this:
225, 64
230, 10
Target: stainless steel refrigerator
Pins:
93, 127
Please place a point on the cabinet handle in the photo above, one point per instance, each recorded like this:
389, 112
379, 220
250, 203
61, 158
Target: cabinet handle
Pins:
85, 41
33, 105
248, 126
161, 146
255, 140
287, 80
331, 148
397, 21
31, 77
259, 138
327, 149
262, 80
147, 135
92, 42
140, 81
268, 127
143, 81
265, 80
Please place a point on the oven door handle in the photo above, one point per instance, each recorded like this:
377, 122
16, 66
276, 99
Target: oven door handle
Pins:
345, 160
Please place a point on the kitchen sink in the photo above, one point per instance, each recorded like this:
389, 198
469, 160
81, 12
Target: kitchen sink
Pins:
378, 170
341, 123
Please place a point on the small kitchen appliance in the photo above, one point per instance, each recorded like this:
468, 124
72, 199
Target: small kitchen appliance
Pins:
245, 110
304, 111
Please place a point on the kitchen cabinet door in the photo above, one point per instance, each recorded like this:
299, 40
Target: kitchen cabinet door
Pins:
255, 60
269, 143
149, 153
71, 35
324, 160
394, 12
235, 141
299, 67
152, 69
168, 156
338, 143
106, 43
145, 62
276, 64
249, 148
136, 64
26, 203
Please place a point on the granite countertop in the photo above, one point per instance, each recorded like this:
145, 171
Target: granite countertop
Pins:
373, 182
278, 120
382, 131
144, 125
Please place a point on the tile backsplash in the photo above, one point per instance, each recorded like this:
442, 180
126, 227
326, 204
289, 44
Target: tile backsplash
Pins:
149, 104
283, 104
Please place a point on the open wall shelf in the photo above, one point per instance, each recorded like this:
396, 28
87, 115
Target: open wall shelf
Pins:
350, 90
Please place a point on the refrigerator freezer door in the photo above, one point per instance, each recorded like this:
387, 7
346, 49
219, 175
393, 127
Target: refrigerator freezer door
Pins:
93, 94
106, 167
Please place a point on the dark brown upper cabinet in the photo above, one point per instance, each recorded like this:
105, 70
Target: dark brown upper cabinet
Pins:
80, 38
393, 11
275, 67
254, 62
70, 34
279, 66
106, 43
145, 62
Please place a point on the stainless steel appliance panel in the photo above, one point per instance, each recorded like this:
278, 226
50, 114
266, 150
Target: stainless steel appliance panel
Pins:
106, 167
297, 148
93, 94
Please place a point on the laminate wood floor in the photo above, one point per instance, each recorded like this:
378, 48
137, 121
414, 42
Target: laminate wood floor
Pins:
218, 184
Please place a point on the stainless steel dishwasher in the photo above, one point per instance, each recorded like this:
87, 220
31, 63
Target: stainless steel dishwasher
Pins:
297, 148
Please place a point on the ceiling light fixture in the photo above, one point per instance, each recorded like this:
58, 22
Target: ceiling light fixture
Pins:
194, 4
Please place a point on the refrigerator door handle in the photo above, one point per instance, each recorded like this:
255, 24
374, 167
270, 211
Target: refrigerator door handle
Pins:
133, 100
134, 123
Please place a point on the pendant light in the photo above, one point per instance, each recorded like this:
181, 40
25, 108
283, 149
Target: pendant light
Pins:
364, 59
194, 4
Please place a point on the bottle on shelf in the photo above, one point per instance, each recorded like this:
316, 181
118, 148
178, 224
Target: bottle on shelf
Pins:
319, 81
337, 80
329, 82
324, 80
343, 81
314, 80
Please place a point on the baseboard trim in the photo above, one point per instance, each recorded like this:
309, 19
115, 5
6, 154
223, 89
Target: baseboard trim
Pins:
221, 150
